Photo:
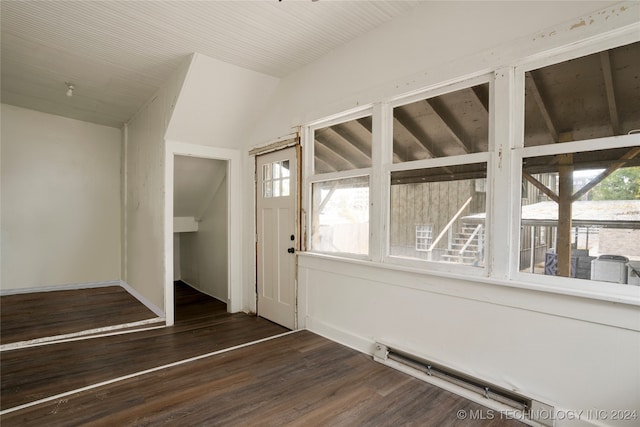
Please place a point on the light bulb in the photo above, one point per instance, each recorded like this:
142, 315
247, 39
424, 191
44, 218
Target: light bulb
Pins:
70, 88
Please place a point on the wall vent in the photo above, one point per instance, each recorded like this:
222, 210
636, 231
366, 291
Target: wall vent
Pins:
507, 399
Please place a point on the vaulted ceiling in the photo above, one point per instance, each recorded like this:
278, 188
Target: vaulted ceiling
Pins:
118, 53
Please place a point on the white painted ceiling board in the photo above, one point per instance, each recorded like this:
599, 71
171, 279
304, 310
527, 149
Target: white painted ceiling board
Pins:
117, 53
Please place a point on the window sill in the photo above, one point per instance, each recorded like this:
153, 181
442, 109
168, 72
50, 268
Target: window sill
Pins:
614, 293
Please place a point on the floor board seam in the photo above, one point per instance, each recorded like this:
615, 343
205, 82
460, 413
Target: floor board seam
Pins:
86, 334
140, 373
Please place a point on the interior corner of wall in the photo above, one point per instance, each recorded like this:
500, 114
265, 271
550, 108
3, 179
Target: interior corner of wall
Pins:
180, 78
137, 295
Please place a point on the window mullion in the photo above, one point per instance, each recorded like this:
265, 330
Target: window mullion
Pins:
506, 119
379, 189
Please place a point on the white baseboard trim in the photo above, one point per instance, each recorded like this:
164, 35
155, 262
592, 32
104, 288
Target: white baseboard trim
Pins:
339, 335
137, 295
53, 288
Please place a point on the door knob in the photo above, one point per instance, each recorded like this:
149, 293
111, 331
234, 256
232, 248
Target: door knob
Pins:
291, 250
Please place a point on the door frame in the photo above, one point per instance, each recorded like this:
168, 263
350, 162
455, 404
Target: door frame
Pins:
289, 141
234, 220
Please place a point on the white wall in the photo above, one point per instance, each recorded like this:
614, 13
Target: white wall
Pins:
206, 102
572, 352
203, 254
60, 200
219, 107
145, 193
219, 104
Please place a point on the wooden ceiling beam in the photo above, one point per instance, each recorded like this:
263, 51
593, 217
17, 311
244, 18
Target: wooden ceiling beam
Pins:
343, 148
605, 60
324, 164
397, 157
413, 138
480, 96
418, 135
331, 157
533, 89
341, 135
450, 123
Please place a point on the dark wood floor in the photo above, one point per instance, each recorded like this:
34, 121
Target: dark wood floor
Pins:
299, 379
202, 326
45, 314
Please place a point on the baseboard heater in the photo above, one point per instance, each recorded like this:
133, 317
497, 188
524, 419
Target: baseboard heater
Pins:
514, 401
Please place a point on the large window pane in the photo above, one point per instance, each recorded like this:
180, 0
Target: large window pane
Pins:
340, 216
581, 215
342, 147
590, 97
438, 214
447, 125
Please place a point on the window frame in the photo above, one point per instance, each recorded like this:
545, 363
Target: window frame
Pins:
568, 283
504, 162
311, 177
482, 157
558, 284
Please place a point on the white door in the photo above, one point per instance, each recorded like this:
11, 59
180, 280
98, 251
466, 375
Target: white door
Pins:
276, 196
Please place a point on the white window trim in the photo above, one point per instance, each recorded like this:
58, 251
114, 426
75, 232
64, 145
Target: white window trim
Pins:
332, 176
433, 91
504, 160
484, 157
463, 159
517, 151
307, 141
620, 141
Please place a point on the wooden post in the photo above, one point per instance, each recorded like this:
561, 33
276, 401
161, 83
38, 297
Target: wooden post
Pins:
565, 190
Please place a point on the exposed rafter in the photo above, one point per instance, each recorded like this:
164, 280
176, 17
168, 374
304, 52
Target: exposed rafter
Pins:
366, 124
611, 97
450, 123
324, 166
412, 137
481, 97
341, 134
532, 88
331, 157
416, 131
343, 148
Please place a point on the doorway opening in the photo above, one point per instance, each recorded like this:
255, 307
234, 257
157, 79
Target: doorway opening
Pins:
202, 227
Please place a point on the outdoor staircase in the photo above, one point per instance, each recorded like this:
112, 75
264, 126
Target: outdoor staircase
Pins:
466, 246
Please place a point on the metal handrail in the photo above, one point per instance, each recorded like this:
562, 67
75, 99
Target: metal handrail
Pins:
451, 222
473, 235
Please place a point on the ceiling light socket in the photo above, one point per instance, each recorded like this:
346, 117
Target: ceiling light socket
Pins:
70, 88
